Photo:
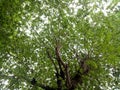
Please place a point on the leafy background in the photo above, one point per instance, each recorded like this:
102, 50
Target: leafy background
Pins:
30, 27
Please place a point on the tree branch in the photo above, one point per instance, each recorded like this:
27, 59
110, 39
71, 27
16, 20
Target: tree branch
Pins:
59, 59
59, 73
50, 57
68, 78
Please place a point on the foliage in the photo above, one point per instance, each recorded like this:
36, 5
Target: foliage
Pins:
50, 44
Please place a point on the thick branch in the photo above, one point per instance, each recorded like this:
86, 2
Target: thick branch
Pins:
50, 57
60, 62
58, 74
57, 51
68, 79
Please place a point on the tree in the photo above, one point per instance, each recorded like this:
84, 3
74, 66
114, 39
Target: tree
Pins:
59, 45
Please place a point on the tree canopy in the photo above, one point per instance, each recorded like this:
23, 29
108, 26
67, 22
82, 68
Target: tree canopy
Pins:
59, 45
